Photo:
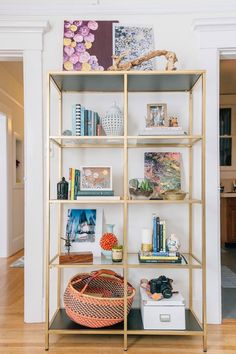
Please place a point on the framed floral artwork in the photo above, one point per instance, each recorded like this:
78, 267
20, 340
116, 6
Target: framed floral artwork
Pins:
96, 178
87, 45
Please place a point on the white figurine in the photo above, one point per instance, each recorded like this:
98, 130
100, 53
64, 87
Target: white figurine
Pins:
173, 243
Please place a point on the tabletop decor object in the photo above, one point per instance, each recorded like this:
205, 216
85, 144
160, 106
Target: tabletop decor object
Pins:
108, 241
112, 122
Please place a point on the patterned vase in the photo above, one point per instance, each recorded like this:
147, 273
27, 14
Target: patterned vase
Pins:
113, 123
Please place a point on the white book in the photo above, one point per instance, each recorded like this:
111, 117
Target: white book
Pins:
105, 197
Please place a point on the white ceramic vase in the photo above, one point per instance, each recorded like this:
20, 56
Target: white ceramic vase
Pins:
113, 122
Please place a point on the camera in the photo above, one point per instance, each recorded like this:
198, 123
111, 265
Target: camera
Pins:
161, 285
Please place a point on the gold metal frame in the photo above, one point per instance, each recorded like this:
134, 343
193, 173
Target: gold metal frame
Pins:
125, 142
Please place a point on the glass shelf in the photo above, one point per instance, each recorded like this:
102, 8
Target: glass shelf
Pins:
132, 262
97, 263
67, 141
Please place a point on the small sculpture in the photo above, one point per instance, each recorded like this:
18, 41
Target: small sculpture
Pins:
126, 66
67, 242
173, 243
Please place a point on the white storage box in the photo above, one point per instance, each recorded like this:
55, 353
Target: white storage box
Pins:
163, 314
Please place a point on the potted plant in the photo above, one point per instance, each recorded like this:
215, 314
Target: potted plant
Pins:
140, 188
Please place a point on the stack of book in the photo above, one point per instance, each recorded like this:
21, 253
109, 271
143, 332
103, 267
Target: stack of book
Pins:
160, 253
158, 234
85, 122
162, 131
159, 257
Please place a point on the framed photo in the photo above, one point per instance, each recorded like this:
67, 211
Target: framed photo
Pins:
94, 178
157, 115
85, 229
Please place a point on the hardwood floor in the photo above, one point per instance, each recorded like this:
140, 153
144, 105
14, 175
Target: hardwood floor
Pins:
18, 337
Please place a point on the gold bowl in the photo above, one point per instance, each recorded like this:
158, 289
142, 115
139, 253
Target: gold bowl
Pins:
174, 194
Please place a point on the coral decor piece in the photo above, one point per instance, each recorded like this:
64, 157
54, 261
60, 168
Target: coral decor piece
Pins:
128, 65
108, 241
87, 45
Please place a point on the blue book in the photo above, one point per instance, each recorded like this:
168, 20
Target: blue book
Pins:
85, 122
82, 120
90, 114
158, 233
154, 233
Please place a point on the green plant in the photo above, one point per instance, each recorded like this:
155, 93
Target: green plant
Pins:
145, 186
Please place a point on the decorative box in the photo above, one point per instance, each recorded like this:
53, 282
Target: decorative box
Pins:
163, 314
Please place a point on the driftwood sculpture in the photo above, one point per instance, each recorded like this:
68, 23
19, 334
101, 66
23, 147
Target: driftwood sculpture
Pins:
118, 66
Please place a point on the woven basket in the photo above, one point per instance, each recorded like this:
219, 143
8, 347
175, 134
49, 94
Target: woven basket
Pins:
97, 299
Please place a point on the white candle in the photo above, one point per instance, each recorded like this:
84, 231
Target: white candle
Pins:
147, 236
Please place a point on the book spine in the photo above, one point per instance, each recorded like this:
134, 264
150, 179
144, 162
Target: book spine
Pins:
99, 130
158, 233
73, 120
78, 119
89, 124
70, 182
154, 233
77, 183
167, 254
72, 197
164, 236
161, 235
85, 122
82, 121
95, 193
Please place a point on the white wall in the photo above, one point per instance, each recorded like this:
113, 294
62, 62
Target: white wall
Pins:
11, 104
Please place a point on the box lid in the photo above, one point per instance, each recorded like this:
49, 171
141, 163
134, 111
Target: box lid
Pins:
175, 300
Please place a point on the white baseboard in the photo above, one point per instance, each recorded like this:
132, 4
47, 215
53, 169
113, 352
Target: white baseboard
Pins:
17, 244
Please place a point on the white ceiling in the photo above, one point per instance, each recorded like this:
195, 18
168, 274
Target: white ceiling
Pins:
228, 76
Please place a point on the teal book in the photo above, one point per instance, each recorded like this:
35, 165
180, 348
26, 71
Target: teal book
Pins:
95, 193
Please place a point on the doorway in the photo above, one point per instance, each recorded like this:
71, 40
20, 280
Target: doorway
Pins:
227, 143
12, 157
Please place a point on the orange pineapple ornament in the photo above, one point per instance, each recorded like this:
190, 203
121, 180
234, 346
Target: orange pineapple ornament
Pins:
107, 241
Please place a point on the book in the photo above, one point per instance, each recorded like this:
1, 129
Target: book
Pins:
151, 257
82, 120
103, 197
162, 131
70, 183
158, 233
72, 194
78, 119
95, 193
77, 183
154, 233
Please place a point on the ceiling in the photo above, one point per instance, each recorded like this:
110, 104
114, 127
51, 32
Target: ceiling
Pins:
228, 77
15, 69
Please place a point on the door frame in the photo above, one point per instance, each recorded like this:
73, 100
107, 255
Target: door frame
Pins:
214, 36
24, 40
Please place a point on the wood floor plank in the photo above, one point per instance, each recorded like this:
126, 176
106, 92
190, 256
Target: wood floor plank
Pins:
21, 338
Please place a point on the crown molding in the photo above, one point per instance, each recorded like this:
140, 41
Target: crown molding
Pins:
214, 24
123, 7
25, 26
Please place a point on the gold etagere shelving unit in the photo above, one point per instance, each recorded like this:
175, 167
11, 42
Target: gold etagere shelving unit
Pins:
125, 82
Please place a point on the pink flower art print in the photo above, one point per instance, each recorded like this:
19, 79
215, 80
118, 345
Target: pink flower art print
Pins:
87, 45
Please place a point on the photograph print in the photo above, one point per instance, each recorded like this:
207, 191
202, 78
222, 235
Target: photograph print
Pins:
134, 40
156, 115
85, 229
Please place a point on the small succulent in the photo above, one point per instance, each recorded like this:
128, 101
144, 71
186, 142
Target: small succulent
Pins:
145, 186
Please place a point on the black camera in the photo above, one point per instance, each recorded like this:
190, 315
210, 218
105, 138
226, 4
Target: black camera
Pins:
161, 285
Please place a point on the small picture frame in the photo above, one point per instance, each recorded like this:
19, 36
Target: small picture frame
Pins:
157, 115
96, 178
